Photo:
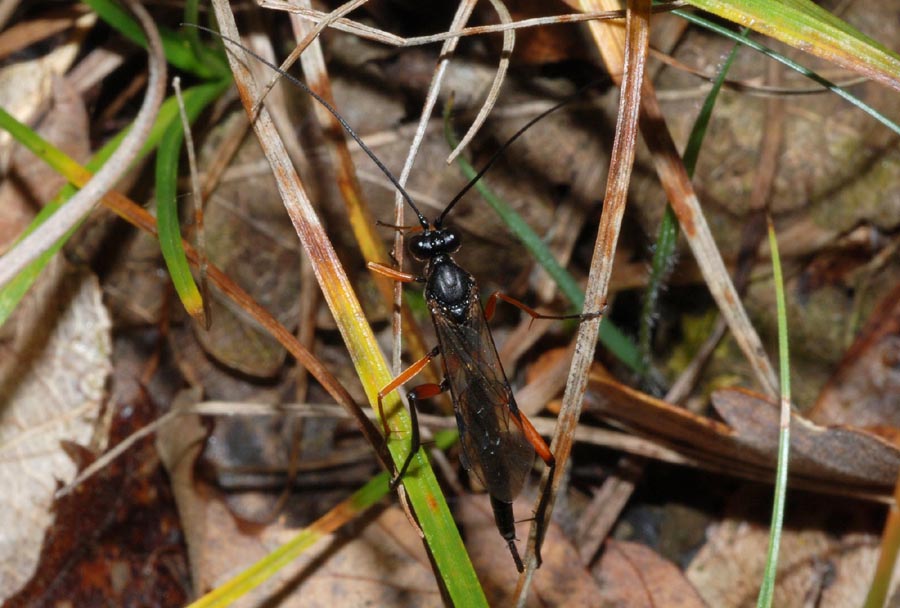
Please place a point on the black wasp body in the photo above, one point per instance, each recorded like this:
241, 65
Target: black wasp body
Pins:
498, 443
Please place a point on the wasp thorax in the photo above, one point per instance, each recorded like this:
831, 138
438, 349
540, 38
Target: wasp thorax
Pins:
433, 243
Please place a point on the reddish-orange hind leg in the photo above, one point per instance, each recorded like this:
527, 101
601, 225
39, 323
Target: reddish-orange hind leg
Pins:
405, 376
543, 450
491, 306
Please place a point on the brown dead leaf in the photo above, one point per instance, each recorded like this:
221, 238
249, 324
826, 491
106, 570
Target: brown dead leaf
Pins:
827, 555
250, 237
53, 367
115, 540
633, 575
863, 391
831, 458
378, 560
840, 454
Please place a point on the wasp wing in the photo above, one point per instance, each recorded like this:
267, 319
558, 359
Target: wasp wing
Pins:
494, 446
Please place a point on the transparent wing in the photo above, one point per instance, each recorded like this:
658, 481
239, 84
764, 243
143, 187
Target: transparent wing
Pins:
494, 447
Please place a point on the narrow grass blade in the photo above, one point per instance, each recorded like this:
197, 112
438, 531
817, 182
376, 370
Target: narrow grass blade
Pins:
167, 163
667, 237
767, 590
810, 28
840, 92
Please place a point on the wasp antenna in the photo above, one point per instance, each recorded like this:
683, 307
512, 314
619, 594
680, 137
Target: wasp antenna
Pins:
440, 219
302, 85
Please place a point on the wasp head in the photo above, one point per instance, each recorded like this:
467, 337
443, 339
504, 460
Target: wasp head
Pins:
433, 243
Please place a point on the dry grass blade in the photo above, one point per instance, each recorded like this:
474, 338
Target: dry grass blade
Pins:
68, 216
298, 206
509, 41
370, 33
432, 512
359, 215
621, 163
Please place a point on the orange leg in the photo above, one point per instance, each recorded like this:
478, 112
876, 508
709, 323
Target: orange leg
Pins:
491, 307
397, 275
537, 442
543, 450
405, 376
423, 391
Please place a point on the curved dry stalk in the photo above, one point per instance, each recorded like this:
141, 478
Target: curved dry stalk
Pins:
68, 216
509, 41
371, 33
621, 163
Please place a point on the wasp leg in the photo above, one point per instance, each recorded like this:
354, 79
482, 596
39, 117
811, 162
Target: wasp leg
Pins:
491, 306
543, 450
392, 273
423, 391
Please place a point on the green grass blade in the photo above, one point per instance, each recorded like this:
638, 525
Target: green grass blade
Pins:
177, 47
844, 94
810, 28
667, 237
767, 589
15, 290
611, 336
167, 163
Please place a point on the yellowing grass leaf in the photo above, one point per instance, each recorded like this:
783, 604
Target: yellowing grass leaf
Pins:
807, 26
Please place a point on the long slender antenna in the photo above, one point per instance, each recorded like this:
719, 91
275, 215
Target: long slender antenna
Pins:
296, 81
440, 219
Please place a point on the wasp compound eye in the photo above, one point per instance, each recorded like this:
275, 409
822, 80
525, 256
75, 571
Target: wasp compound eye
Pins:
451, 240
420, 246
